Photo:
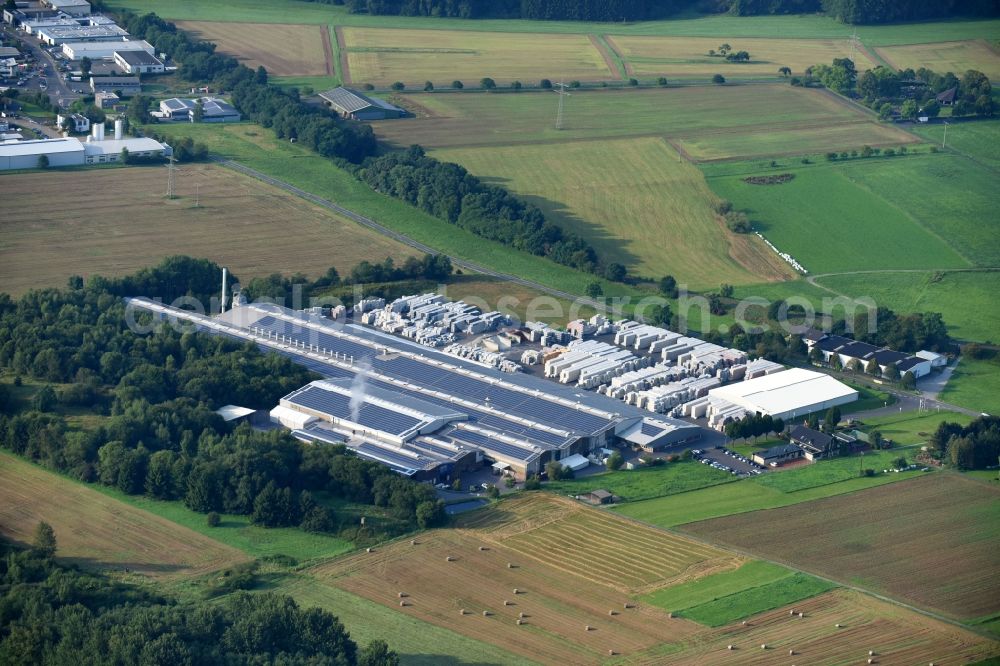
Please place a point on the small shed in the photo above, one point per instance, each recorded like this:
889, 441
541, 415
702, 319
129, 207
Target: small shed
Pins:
235, 414
597, 497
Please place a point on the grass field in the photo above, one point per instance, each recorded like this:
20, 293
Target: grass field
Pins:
752, 573
53, 229
418, 643
93, 530
257, 148
914, 428
645, 482
284, 50
963, 299
899, 636
450, 120
533, 544
873, 213
688, 56
237, 531
835, 470
636, 203
902, 540
819, 139
978, 140
945, 57
975, 384
382, 56
753, 600
748, 495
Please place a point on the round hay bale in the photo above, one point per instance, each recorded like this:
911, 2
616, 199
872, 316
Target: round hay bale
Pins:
461, 611
413, 542
871, 653
791, 612
744, 623
510, 565
763, 646
802, 614
402, 603
506, 602
791, 652
401, 594
368, 550
837, 625
670, 615
612, 612
730, 647
486, 613
483, 548
870, 660
520, 621
449, 559
586, 627
517, 591
611, 653
627, 605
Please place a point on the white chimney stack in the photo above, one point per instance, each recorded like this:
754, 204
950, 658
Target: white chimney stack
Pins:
225, 274
119, 129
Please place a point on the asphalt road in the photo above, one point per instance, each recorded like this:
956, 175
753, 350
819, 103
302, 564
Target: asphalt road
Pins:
58, 91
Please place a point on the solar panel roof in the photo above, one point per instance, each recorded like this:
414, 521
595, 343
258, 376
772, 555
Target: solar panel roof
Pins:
339, 406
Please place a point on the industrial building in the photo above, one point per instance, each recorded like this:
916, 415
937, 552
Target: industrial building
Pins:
357, 106
138, 61
423, 412
786, 394
70, 7
120, 85
62, 34
106, 48
70, 151
849, 351
213, 110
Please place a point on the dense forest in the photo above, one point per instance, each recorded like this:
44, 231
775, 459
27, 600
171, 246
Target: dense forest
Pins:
848, 11
451, 193
975, 446
158, 434
55, 614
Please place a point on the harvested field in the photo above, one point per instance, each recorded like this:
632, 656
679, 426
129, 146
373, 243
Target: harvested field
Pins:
283, 50
382, 56
797, 140
53, 226
571, 566
634, 200
898, 636
688, 56
96, 531
907, 548
452, 120
945, 57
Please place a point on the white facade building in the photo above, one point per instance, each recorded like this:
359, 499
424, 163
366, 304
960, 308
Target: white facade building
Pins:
104, 48
25, 154
790, 393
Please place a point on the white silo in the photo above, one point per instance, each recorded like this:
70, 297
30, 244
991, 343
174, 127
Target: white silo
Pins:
119, 129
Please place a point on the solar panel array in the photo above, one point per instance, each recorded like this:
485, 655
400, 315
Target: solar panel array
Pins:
519, 403
650, 430
369, 415
492, 444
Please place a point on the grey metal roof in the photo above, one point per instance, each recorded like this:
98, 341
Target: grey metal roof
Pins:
120, 80
351, 101
138, 58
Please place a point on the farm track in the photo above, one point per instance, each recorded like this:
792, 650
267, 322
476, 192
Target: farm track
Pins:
327, 50
406, 240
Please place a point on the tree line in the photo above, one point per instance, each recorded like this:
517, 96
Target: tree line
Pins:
975, 446
156, 394
449, 192
51, 613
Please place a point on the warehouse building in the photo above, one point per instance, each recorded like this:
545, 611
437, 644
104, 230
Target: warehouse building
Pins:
787, 394
137, 62
356, 106
70, 7
421, 411
26, 154
107, 48
120, 85
63, 34
213, 110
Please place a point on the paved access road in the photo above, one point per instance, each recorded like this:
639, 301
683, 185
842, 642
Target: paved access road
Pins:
58, 91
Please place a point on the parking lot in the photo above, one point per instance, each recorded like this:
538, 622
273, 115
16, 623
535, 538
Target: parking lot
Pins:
728, 461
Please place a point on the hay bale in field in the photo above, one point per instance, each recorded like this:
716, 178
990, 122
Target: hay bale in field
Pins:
586, 627
520, 621
449, 558
506, 602
510, 565
612, 612
837, 625
611, 653
670, 615
791, 652
517, 591
368, 550
521, 615
871, 653
461, 611
744, 623
401, 594
486, 613
763, 646
730, 647
413, 542
403, 603
627, 605
870, 660
483, 548
791, 612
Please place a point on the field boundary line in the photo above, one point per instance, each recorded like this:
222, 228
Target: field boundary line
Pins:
402, 238
850, 586
613, 60
324, 33
342, 48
